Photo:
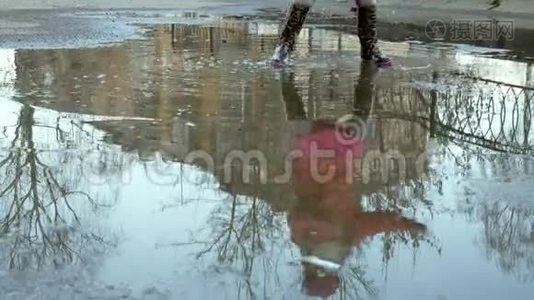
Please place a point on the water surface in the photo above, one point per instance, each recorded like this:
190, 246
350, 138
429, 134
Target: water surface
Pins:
115, 169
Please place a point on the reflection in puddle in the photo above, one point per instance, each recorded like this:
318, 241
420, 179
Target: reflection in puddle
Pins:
116, 160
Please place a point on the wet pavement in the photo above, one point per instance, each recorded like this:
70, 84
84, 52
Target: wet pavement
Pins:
121, 174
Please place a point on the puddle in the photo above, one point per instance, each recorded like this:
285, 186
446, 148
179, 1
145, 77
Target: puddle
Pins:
118, 178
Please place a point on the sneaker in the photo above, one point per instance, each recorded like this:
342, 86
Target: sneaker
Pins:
280, 56
383, 62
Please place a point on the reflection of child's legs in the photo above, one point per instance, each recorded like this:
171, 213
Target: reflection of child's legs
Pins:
364, 91
367, 32
291, 28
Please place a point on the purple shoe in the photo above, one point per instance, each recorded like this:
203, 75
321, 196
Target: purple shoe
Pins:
383, 62
280, 56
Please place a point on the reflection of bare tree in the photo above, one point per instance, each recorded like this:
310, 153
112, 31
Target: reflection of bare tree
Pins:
241, 230
353, 282
40, 213
508, 237
490, 122
410, 197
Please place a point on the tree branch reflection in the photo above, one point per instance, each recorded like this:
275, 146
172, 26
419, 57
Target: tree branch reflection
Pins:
40, 219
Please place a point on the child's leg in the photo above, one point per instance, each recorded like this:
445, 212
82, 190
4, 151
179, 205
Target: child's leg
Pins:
368, 34
291, 28
294, 22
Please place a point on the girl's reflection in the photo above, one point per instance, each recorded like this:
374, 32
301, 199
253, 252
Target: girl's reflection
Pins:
328, 219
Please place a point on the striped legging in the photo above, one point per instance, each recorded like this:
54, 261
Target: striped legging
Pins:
366, 25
